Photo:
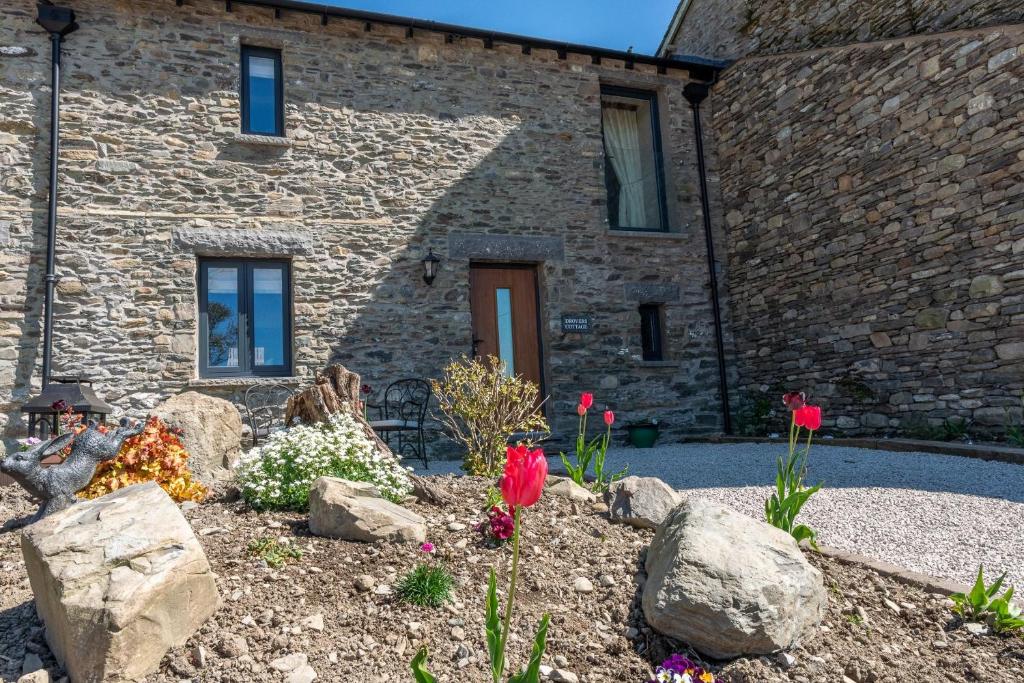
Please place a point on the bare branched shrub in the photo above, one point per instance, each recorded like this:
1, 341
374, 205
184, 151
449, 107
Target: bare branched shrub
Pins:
482, 407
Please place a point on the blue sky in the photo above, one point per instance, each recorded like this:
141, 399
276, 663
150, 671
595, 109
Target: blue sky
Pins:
616, 24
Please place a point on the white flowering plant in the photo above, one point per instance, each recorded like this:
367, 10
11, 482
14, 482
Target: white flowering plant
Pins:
279, 474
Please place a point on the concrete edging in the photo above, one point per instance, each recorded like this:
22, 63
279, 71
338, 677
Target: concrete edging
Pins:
932, 584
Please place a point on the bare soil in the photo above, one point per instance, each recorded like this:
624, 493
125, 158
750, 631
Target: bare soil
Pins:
315, 607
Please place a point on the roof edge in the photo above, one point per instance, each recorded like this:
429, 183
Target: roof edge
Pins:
673, 27
699, 69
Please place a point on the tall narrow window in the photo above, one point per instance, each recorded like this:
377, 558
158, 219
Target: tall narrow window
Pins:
651, 338
634, 168
244, 318
262, 91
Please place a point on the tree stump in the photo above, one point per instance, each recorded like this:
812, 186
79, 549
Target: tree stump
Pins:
336, 390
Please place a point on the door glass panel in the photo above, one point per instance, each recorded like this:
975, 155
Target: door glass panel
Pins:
222, 303
262, 95
268, 323
506, 348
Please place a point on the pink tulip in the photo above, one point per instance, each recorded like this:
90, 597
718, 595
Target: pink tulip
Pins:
523, 481
609, 418
586, 400
808, 416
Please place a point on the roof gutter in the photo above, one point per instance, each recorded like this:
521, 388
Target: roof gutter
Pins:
699, 69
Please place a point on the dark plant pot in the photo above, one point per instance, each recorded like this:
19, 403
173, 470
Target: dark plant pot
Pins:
643, 436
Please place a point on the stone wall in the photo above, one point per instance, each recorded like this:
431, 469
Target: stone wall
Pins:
729, 29
875, 211
395, 145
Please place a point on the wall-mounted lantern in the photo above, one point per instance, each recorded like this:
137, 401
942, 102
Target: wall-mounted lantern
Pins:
430, 266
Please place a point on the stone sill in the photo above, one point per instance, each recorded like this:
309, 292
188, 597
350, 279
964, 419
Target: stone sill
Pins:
658, 364
633, 234
229, 382
264, 140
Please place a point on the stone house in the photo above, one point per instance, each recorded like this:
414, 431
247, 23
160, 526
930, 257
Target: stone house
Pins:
871, 158
247, 191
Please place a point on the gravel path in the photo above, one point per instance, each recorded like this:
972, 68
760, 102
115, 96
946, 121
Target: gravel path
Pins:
937, 514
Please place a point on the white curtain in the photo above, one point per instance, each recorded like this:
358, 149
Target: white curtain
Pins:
622, 138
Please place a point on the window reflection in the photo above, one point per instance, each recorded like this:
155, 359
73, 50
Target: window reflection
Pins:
222, 313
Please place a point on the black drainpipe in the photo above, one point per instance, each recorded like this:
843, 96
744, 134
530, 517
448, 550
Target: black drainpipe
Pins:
59, 22
696, 93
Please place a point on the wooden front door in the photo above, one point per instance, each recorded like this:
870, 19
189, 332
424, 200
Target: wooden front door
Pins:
505, 318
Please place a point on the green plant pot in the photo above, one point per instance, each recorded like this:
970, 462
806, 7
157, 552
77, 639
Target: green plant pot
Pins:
643, 436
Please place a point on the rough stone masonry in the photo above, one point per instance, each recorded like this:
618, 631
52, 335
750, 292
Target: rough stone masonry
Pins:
874, 198
394, 145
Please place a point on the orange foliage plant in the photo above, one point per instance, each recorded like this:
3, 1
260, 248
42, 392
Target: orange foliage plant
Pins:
156, 454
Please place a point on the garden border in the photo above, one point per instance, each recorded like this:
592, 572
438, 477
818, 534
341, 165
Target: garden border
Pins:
927, 582
995, 452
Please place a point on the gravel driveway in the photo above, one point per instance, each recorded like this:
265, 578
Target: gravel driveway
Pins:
937, 514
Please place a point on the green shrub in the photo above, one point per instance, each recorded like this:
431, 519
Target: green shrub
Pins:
426, 586
279, 474
482, 406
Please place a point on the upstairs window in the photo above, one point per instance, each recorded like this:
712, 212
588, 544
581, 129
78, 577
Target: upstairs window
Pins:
262, 92
244, 318
633, 160
652, 340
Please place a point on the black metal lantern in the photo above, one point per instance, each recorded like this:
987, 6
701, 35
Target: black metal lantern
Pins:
430, 265
75, 392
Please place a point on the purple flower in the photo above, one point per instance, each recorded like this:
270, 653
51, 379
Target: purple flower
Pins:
427, 547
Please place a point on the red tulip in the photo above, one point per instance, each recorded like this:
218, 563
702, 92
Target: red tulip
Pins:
525, 472
794, 400
609, 418
808, 416
586, 400
580, 410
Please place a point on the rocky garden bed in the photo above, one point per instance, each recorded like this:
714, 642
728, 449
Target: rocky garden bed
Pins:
297, 606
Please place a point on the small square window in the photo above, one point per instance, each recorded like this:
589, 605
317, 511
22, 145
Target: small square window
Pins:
651, 337
634, 168
262, 92
245, 325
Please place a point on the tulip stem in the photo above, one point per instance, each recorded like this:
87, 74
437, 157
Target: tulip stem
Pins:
507, 622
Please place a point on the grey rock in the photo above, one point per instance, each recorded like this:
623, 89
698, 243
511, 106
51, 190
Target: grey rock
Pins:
728, 584
334, 513
567, 488
641, 501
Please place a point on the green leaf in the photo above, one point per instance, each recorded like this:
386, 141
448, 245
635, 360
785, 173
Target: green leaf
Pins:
493, 627
994, 588
532, 672
419, 670
803, 532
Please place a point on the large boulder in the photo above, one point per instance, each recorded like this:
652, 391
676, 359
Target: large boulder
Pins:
355, 511
641, 501
728, 584
211, 432
118, 581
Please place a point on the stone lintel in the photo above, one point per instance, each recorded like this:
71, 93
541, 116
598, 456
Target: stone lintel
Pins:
651, 292
532, 248
251, 242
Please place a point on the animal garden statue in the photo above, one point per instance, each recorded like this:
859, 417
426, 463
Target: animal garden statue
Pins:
57, 485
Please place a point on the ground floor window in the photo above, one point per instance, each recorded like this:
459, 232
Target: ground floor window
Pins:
244, 318
651, 337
